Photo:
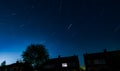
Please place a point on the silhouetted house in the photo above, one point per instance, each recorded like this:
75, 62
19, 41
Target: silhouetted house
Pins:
17, 67
62, 64
103, 61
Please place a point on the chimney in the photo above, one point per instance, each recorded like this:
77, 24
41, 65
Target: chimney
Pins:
105, 50
59, 56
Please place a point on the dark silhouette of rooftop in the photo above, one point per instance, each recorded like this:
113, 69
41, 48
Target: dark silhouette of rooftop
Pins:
107, 60
62, 63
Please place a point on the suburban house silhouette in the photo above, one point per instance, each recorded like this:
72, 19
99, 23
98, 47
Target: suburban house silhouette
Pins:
70, 63
18, 66
103, 61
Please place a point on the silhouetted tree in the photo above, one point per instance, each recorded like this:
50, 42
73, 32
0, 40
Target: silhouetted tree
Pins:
3, 63
35, 54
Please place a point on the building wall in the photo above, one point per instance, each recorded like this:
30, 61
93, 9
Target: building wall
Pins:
63, 64
16, 67
102, 61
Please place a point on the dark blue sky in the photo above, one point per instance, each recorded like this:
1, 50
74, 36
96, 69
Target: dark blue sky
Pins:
65, 27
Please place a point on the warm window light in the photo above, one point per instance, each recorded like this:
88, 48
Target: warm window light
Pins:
64, 65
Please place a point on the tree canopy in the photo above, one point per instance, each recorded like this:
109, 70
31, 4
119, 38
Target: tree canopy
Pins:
3, 63
35, 54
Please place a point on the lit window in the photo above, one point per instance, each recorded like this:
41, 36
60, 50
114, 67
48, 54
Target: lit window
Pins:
64, 65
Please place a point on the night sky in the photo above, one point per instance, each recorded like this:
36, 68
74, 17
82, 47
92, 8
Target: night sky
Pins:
65, 27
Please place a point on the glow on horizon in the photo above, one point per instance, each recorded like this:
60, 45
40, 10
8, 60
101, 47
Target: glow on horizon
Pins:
9, 57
